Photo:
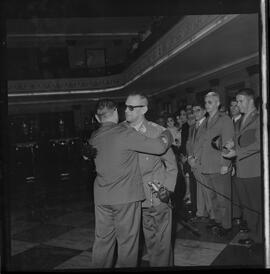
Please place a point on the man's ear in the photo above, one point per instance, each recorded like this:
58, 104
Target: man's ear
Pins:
96, 116
144, 109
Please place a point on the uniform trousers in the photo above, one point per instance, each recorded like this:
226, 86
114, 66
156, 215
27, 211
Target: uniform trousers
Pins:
157, 229
204, 201
250, 195
117, 223
237, 210
221, 183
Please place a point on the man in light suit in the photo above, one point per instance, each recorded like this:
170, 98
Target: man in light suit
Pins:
118, 189
156, 213
194, 149
248, 164
216, 169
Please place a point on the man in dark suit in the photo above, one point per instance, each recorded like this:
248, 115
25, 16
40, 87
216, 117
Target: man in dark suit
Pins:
194, 149
216, 169
237, 212
156, 214
118, 189
248, 164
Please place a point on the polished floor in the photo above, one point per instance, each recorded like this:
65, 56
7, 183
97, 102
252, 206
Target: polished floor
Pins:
61, 238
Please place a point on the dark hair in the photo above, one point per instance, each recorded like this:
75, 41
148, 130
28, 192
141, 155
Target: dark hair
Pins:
233, 99
247, 92
170, 116
178, 112
105, 108
199, 103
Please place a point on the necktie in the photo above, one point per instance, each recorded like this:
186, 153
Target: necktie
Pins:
196, 129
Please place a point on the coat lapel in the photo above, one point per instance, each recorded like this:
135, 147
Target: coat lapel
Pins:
250, 119
212, 122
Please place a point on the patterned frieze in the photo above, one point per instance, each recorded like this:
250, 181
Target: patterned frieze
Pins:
189, 30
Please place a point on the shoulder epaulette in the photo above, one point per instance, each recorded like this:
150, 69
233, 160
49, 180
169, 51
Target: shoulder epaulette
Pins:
156, 126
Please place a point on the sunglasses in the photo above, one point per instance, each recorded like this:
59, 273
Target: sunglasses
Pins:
131, 108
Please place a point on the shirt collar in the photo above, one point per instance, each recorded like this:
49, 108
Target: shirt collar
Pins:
200, 122
237, 117
137, 127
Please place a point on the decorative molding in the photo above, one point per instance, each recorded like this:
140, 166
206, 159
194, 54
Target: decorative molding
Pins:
63, 84
221, 69
188, 31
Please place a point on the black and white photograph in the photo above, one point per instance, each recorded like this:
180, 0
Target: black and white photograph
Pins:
134, 135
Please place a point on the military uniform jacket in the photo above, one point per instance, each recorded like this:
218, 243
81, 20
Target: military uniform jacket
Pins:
160, 168
211, 159
247, 145
119, 179
195, 141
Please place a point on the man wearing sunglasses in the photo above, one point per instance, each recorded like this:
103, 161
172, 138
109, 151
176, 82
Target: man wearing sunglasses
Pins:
156, 210
118, 189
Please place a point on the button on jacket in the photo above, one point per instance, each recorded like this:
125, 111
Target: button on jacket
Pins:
219, 125
160, 168
118, 178
247, 144
195, 140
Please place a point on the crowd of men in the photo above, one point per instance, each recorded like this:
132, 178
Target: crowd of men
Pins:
141, 166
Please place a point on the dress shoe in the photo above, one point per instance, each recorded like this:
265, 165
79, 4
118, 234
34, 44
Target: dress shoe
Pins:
212, 223
220, 231
244, 230
246, 241
198, 219
237, 221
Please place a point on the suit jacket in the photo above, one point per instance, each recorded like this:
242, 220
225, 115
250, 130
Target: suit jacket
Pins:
195, 141
119, 178
247, 145
161, 168
184, 138
211, 159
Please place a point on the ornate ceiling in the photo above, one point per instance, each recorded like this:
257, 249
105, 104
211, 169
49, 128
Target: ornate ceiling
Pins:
59, 37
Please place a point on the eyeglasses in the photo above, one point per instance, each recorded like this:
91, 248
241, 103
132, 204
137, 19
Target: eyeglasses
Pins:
131, 108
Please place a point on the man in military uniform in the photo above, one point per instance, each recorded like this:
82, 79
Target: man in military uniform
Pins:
118, 189
247, 150
216, 169
156, 212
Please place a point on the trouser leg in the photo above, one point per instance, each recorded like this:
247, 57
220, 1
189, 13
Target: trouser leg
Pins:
193, 193
105, 238
201, 207
237, 211
127, 222
210, 196
223, 206
157, 228
250, 190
